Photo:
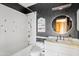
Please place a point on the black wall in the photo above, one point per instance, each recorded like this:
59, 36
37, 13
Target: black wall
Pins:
44, 10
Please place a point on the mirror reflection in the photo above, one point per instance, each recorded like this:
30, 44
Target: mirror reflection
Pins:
62, 24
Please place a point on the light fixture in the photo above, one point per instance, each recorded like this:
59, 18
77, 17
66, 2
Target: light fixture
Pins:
61, 7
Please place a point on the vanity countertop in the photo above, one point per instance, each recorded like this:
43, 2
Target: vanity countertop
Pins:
72, 42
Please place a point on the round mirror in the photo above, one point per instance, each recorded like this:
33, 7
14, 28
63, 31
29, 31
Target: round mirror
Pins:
62, 24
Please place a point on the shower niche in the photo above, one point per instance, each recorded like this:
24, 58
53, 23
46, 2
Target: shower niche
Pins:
62, 24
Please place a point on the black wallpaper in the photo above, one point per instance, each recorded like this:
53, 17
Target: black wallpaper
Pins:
45, 10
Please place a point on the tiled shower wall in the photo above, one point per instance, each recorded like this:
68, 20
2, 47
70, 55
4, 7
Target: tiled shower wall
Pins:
31, 24
15, 30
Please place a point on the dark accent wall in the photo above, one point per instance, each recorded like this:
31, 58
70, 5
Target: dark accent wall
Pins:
45, 10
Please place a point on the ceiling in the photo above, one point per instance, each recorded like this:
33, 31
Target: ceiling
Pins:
27, 4
21, 7
45, 6
29, 7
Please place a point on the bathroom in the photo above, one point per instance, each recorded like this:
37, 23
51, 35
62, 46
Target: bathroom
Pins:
29, 29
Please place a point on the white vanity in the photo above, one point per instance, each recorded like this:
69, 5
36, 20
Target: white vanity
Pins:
62, 48
67, 47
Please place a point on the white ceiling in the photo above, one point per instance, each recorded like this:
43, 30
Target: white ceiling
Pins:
27, 4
